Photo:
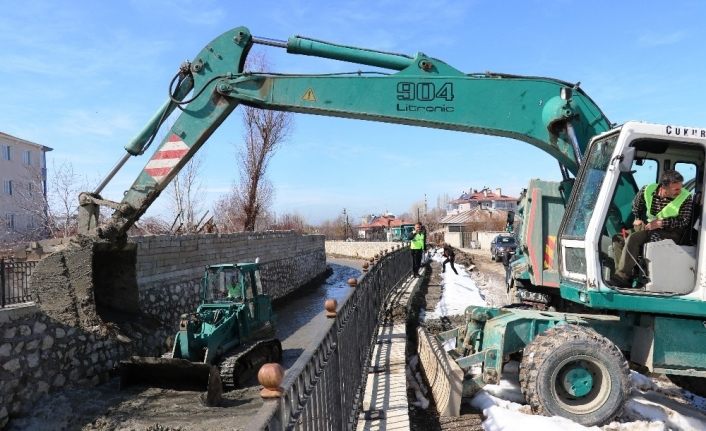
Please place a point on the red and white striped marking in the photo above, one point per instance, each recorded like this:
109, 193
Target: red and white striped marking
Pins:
164, 160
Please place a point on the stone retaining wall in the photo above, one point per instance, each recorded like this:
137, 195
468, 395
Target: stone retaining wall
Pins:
169, 269
363, 250
40, 353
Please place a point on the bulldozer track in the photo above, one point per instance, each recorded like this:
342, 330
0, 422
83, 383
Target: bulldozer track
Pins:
241, 364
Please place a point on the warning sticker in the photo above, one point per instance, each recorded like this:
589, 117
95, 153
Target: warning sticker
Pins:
309, 95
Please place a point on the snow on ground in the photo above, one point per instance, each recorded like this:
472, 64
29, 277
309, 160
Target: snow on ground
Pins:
460, 291
654, 404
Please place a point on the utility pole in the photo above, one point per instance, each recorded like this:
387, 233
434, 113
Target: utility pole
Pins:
426, 209
345, 227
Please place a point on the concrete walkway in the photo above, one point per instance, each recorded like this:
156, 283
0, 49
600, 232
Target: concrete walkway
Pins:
385, 405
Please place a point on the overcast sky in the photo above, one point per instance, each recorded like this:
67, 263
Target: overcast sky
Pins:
84, 77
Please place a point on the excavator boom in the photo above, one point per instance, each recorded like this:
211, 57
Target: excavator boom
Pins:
423, 92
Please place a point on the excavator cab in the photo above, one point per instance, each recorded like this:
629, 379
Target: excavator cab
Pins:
617, 165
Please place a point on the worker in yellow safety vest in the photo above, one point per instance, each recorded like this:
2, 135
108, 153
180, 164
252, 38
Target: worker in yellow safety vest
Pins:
662, 211
417, 244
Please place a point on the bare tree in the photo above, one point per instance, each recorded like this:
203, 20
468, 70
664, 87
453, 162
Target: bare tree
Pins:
150, 226
442, 201
185, 199
29, 197
228, 214
418, 212
294, 222
64, 188
265, 131
333, 229
54, 214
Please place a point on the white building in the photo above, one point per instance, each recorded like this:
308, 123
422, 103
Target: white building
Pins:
23, 174
474, 212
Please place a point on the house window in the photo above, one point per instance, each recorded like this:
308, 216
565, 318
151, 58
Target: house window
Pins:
27, 158
6, 152
7, 187
10, 221
30, 188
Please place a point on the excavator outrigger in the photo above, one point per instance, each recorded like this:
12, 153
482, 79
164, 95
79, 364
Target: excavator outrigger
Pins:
574, 365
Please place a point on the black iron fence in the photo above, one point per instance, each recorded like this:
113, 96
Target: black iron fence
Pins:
323, 389
14, 282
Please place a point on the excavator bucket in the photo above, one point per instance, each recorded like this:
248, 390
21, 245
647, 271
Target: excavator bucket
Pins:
167, 373
84, 283
444, 376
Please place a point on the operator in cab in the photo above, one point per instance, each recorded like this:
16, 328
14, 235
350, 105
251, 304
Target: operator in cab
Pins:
662, 211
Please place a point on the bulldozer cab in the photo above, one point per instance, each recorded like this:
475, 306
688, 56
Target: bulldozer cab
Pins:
599, 218
231, 282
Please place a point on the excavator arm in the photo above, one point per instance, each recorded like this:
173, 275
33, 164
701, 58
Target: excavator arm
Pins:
552, 115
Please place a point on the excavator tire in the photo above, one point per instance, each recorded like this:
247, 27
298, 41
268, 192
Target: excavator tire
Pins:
240, 366
574, 372
693, 384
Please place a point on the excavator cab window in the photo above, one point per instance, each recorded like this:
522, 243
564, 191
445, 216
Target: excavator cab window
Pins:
592, 176
663, 266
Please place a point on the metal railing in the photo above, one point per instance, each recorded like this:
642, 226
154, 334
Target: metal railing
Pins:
14, 282
325, 393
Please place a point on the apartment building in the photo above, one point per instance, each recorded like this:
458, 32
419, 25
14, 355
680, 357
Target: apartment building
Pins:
23, 177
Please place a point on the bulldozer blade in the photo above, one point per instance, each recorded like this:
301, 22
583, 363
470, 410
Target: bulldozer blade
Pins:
443, 374
166, 373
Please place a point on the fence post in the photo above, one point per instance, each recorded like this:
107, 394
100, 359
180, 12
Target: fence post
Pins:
2, 283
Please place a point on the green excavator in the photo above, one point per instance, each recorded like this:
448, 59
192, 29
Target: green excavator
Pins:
222, 344
574, 365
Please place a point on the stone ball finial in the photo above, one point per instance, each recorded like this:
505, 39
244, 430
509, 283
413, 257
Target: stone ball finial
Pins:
365, 267
352, 282
270, 377
330, 305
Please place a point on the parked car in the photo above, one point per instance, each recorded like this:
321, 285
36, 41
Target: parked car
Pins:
502, 245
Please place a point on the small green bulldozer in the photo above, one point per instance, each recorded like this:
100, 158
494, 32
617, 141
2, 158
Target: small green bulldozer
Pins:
221, 345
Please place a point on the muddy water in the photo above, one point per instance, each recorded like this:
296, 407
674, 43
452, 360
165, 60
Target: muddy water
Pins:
104, 407
301, 319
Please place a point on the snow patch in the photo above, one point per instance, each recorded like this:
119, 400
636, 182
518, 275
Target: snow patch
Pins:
459, 291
